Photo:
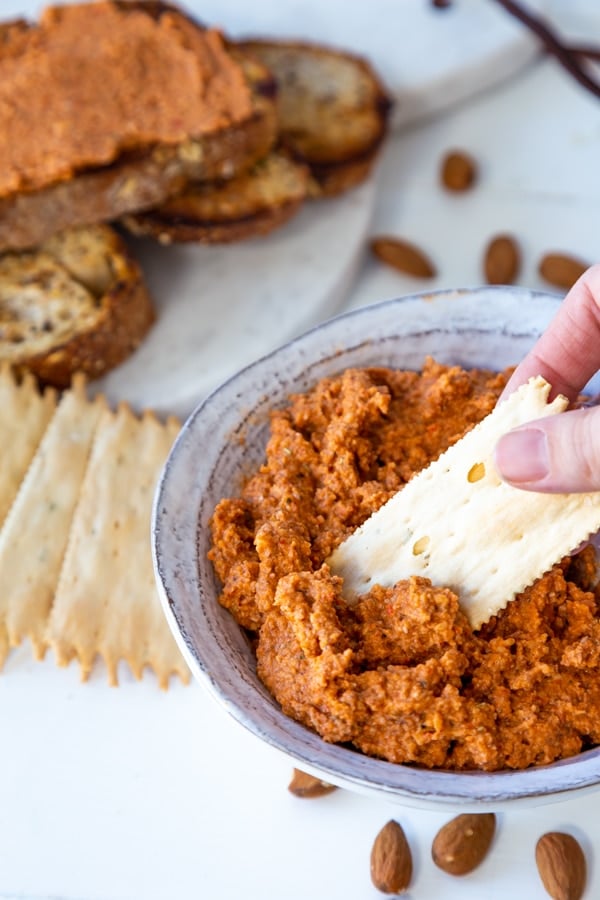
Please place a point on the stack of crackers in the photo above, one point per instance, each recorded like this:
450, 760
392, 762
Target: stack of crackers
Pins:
76, 488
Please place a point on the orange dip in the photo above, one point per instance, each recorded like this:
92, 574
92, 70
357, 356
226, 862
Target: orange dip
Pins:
93, 80
400, 675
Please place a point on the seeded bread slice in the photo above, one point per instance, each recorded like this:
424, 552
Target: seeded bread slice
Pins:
76, 303
252, 204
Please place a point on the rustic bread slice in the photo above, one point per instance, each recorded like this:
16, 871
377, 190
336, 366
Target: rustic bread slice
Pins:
331, 105
219, 212
332, 116
329, 180
76, 303
143, 177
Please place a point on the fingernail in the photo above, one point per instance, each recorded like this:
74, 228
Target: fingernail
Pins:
522, 455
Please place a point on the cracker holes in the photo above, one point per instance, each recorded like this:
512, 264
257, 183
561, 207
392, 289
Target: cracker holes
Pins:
421, 545
476, 472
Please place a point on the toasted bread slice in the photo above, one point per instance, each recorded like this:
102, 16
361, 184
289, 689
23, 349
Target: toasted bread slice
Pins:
76, 303
90, 81
252, 204
331, 106
142, 178
335, 178
332, 116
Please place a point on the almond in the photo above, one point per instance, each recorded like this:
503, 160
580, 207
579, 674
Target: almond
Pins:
561, 864
305, 785
502, 260
404, 256
458, 171
561, 270
463, 842
391, 860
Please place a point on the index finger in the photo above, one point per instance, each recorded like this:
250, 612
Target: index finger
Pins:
568, 353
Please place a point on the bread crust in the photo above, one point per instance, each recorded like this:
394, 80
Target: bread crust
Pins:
138, 183
118, 315
252, 204
172, 231
336, 178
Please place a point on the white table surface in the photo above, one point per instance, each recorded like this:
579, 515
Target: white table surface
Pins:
134, 794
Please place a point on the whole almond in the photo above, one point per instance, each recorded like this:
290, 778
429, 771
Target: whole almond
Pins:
561, 864
502, 260
561, 270
391, 860
458, 171
404, 256
305, 785
463, 842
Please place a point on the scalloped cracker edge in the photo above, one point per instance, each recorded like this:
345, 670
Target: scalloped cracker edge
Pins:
76, 572
458, 524
106, 600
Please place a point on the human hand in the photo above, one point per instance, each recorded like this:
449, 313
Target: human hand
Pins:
560, 453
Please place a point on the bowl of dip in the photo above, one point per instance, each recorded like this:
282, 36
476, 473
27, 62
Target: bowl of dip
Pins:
469, 720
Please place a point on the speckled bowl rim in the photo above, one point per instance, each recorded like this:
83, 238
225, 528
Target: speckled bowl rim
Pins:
217, 653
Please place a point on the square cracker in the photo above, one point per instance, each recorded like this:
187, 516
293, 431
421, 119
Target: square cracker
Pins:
106, 601
34, 536
458, 524
24, 415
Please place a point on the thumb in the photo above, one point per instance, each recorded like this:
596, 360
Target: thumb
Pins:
557, 454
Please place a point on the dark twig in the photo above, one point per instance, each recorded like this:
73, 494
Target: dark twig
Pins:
568, 57
592, 53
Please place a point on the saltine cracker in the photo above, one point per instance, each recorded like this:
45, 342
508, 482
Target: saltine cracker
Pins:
458, 524
106, 601
24, 414
34, 536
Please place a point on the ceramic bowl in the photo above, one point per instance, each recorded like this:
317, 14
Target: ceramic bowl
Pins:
223, 441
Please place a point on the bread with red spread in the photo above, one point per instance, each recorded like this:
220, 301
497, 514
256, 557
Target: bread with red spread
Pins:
332, 114
113, 108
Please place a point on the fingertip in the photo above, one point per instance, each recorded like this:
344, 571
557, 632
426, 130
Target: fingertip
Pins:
521, 456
